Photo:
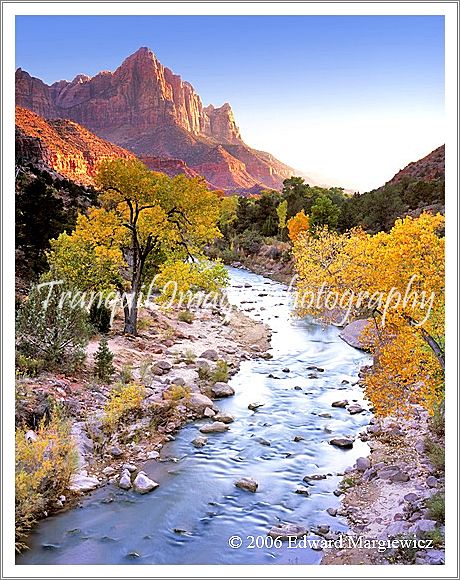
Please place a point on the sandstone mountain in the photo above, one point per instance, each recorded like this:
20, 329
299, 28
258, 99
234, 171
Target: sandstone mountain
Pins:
148, 110
429, 168
61, 145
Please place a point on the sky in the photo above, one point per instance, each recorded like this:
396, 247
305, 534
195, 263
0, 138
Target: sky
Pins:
348, 100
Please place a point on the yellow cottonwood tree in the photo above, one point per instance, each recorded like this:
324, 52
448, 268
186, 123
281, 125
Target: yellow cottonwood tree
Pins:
145, 218
398, 279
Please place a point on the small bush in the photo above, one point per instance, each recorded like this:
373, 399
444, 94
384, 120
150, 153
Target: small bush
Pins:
29, 366
103, 358
145, 371
124, 401
52, 329
186, 316
438, 420
436, 536
204, 373
436, 454
143, 323
126, 374
99, 317
176, 393
436, 505
43, 471
189, 356
220, 372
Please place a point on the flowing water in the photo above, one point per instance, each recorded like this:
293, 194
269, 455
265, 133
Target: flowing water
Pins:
197, 508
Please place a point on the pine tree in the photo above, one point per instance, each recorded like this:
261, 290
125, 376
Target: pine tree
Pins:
103, 358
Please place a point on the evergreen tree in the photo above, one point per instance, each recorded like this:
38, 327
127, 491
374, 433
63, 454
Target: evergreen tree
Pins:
103, 358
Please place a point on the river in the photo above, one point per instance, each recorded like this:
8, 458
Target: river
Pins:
197, 508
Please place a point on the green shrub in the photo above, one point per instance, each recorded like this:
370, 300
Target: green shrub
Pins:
126, 374
99, 317
43, 471
436, 536
186, 316
436, 507
52, 329
436, 454
103, 358
29, 366
220, 372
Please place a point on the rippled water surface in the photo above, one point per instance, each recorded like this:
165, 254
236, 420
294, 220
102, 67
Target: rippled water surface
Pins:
190, 517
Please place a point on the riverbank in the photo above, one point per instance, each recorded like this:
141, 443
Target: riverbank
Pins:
396, 493
181, 361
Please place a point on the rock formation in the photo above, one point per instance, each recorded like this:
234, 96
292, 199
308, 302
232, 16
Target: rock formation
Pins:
143, 107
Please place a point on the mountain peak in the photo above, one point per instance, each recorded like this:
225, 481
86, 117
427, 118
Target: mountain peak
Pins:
146, 108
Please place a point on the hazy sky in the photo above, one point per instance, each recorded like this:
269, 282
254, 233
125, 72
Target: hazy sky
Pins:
353, 99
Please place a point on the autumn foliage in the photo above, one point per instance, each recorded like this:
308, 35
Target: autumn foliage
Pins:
298, 224
395, 279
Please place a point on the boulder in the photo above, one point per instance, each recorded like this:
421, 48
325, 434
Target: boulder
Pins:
210, 354
431, 481
125, 480
82, 483
115, 451
153, 455
342, 442
362, 463
286, 531
224, 418
198, 403
353, 334
314, 477
199, 442
162, 367
220, 390
216, 427
340, 404
247, 483
254, 406
262, 441
143, 484
303, 491
355, 409
128, 467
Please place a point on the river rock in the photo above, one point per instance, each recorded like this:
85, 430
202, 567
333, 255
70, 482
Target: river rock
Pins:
224, 418
332, 511
340, 404
216, 427
303, 491
325, 415
208, 412
286, 531
314, 477
362, 463
210, 354
254, 406
262, 441
82, 483
108, 471
198, 403
353, 334
431, 481
203, 364
153, 455
143, 484
220, 390
125, 480
248, 484
355, 409
421, 527
115, 451
129, 467
179, 381
342, 442
298, 438
199, 442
